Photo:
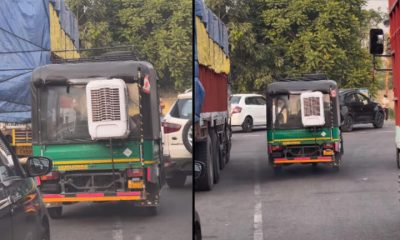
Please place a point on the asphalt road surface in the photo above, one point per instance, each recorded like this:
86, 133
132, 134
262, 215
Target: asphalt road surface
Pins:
119, 221
360, 202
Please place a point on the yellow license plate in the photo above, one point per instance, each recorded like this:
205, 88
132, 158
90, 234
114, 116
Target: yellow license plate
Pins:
72, 167
23, 151
135, 184
328, 152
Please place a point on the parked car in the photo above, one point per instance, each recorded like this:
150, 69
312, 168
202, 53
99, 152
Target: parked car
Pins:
178, 141
23, 214
248, 111
356, 108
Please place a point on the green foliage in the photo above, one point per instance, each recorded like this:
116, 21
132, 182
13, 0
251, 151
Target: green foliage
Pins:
159, 30
273, 39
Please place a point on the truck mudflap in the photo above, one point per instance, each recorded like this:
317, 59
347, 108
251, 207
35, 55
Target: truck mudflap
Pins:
94, 197
320, 159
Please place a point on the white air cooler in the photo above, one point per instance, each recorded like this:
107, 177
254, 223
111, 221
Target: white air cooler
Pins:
312, 109
107, 109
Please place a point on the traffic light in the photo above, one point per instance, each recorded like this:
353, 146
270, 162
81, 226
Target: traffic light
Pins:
376, 41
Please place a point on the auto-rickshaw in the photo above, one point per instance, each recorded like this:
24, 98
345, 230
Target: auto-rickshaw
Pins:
100, 122
303, 122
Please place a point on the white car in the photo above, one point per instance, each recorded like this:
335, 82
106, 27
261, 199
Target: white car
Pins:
248, 111
177, 130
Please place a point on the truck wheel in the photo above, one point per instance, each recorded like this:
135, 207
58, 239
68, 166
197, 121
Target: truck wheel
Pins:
222, 152
203, 152
215, 155
348, 124
228, 144
398, 158
379, 119
55, 212
177, 180
247, 124
187, 136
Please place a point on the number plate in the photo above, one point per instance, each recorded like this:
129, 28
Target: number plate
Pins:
135, 184
72, 167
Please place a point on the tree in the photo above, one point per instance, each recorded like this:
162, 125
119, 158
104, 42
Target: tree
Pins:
160, 30
293, 37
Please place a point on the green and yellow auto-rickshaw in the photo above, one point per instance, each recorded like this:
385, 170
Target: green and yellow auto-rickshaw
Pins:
303, 122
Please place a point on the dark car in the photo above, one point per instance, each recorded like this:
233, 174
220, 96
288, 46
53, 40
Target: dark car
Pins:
23, 214
356, 108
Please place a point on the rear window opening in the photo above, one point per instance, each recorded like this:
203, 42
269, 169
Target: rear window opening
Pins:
182, 109
235, 100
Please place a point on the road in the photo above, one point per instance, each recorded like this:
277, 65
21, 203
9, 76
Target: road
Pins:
118, 221
360, 202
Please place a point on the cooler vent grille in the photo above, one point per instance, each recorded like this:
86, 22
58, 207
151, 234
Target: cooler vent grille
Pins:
105, 104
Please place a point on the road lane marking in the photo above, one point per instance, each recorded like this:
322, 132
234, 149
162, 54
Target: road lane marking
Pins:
117, 233
258, 223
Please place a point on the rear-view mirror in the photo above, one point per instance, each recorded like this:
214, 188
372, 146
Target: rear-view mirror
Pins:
38, 166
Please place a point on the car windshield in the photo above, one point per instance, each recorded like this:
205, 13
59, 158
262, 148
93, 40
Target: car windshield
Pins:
235, 99
182, 109
64, 117
286, 111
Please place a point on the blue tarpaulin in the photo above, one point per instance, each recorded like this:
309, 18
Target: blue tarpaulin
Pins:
215, 27
25, 45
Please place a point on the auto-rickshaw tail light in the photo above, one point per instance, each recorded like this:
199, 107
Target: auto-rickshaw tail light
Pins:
329, 145
50, 176
272, 148
136, 172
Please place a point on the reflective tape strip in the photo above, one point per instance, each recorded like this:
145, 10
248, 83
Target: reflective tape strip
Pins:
83, 197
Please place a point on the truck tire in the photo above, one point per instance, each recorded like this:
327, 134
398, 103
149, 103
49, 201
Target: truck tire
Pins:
222, 152
55, 212
187, 136
228, 143
215, 155
203, 152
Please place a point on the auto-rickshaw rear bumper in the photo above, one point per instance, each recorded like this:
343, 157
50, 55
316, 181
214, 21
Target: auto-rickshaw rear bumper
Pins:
320, 159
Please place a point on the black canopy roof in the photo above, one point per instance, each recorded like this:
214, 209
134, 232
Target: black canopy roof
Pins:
60, 73
287, 86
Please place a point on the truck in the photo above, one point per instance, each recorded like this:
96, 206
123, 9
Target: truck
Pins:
211, 83
394, 26
99, 121
376, 45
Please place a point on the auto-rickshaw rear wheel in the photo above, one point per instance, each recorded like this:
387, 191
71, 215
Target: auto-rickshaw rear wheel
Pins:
337, 162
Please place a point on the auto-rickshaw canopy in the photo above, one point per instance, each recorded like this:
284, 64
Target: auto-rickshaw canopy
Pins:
71, 74
293, 87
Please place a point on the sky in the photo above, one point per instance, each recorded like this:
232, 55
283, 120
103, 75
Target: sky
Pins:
375, 4
381, 5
